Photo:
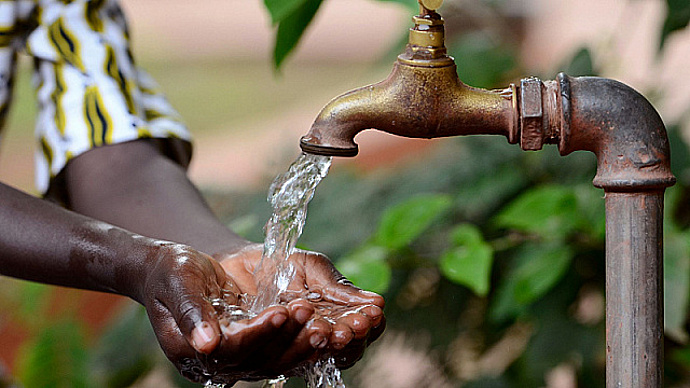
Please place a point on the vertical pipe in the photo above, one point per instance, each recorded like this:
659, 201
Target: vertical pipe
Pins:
628, 136
634, 289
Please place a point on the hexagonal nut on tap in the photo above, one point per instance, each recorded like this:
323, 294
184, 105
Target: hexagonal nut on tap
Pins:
531, 114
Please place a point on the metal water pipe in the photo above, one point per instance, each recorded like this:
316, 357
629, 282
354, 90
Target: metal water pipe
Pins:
423, 98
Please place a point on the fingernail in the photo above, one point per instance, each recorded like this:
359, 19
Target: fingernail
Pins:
230, 329
278, 320
368, 293
318, 341
302, 315
202, 334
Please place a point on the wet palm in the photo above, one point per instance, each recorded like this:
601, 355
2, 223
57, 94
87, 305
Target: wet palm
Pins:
341, 318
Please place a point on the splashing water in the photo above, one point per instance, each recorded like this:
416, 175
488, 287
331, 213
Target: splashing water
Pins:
289, 196
324, 374
211, 384
278, 382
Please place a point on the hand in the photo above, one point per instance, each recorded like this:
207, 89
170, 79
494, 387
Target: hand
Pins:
343, 318
178, 289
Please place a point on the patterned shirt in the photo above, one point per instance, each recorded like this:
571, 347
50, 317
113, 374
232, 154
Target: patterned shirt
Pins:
89, 91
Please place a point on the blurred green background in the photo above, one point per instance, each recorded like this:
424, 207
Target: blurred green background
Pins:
491, 259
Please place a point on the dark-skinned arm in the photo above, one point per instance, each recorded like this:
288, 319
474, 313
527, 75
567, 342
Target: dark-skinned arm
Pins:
134, 185
42, 242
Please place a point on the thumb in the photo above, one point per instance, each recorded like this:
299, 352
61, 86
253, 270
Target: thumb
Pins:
193, 310
196, 319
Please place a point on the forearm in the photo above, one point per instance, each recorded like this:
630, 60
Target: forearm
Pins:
134, 186
42, 242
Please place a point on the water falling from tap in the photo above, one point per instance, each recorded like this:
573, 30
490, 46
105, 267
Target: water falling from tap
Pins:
289, 196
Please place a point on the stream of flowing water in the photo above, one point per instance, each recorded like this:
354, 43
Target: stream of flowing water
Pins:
289, 196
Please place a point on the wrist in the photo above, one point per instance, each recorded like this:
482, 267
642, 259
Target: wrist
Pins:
141, 258
112, 259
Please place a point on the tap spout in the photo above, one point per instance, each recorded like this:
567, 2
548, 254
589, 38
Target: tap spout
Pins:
419, 102
421, 98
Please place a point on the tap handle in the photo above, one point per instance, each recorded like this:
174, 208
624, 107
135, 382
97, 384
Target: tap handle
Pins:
430, 5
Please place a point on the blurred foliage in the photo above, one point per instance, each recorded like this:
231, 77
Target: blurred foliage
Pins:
469, 260
476, 240
482, 62
677, 18
292, 18
57, 357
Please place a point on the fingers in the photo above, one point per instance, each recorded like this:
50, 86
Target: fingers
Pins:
320, 273
195, 315
168, 333
243, 336
350, 355
353, 331
374, 313
184, 282
312, 338
274, 342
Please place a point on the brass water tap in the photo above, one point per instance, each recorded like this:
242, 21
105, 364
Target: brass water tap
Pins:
421, 98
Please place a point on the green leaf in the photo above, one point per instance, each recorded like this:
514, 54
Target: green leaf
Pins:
291, 28
540, 269
682, 356
548, 211
592, 212
469, 262
676, 282
503, 305
244, 225
536, 270
280, 9
580, 64
677, 18
680, 163
56, 358
403, 223
481, 62
367, 268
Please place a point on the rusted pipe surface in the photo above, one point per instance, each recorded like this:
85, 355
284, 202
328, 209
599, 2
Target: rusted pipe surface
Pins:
621, 127
629, 139
634, 289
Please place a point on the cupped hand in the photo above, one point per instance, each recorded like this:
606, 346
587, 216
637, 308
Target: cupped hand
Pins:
342, 319
322, 314
178, 290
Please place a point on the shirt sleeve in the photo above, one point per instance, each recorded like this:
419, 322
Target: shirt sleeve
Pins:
90, 92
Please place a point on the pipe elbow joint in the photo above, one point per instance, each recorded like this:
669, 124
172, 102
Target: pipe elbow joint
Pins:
620, 127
